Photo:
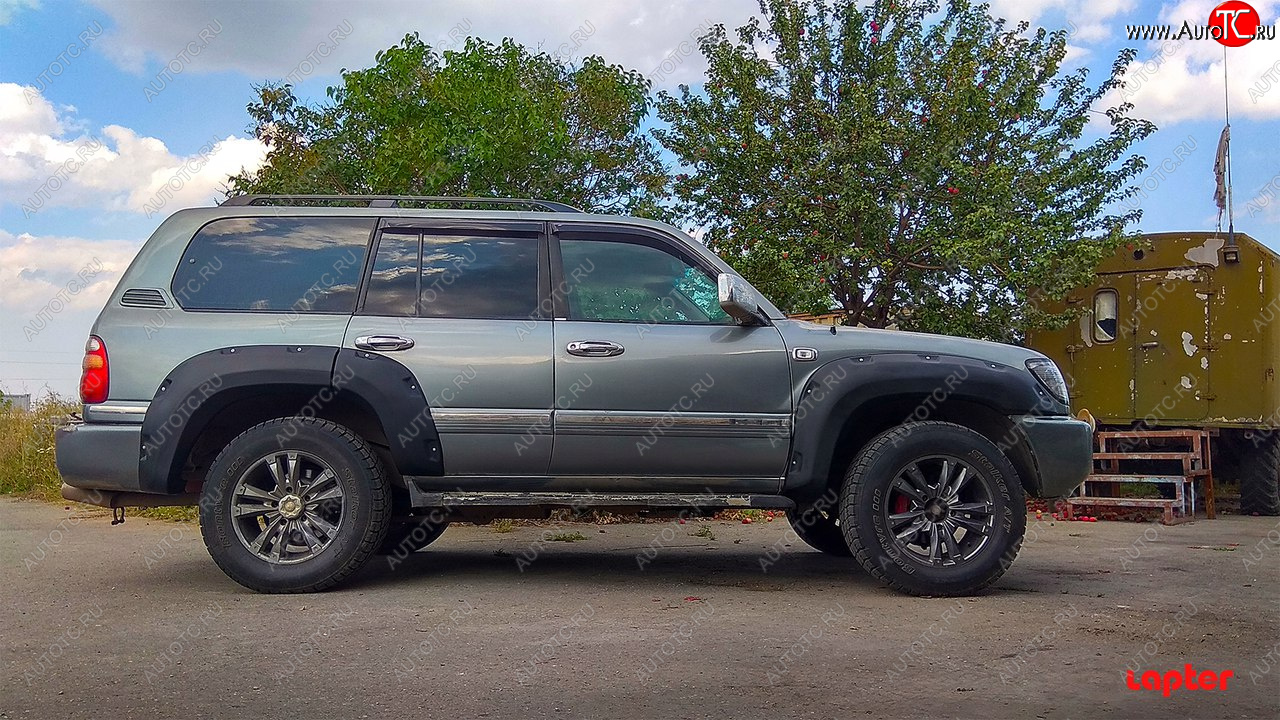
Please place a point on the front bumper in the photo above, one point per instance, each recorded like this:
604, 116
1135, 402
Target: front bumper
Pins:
99, 456
1062, 448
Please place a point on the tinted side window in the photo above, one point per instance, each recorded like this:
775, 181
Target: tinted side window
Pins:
393, 286
454, 276
635, 282
274, 264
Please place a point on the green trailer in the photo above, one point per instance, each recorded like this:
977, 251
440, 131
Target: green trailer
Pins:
1182, 330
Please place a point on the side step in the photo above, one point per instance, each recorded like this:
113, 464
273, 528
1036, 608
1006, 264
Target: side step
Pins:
631, 502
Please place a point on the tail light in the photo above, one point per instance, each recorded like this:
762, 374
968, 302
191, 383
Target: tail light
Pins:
96, 375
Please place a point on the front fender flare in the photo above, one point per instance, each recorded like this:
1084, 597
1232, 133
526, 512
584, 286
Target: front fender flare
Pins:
836, 391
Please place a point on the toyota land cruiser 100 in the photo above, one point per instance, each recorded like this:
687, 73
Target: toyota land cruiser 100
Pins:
332, 377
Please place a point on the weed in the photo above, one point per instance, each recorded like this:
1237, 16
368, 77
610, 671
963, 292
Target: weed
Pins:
502, 525
567, 537
704, 532
27, 465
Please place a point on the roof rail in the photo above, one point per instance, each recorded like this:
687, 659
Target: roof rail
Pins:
393, 201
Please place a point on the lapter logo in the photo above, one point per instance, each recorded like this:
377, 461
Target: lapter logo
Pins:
1233, 23
1187, 679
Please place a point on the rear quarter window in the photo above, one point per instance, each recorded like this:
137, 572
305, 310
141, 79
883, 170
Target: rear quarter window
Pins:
274, 264
434, 275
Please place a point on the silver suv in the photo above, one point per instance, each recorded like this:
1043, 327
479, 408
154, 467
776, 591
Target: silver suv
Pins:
330, 377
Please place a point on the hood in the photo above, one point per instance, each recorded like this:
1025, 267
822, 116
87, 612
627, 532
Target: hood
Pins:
853, 341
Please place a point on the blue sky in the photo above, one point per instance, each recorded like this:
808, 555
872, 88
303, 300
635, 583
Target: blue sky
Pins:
94, 100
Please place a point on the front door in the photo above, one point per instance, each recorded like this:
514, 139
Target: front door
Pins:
653, 378
459, 307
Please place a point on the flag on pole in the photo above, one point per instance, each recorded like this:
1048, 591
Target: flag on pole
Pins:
1220, 170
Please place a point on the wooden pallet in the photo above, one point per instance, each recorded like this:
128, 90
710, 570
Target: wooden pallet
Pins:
1117, 448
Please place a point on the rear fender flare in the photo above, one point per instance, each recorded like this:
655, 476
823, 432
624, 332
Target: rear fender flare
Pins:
205, 384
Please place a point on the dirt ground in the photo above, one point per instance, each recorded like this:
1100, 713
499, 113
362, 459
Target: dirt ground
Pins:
634, 621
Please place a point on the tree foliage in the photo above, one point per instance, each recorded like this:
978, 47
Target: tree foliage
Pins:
916, 166
483, 120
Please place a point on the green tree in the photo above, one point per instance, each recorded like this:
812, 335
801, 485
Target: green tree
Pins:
483, 120
913, 168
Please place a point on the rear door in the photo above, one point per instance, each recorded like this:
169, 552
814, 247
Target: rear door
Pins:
1172, 339
652, 378
459, 305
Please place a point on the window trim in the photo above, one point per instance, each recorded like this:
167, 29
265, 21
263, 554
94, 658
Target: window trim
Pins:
1093, 315
632, 235
421, 227
368, 250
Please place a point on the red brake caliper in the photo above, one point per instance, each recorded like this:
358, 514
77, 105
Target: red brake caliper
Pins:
901, 504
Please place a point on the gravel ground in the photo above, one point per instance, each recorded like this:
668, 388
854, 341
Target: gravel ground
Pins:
137, 621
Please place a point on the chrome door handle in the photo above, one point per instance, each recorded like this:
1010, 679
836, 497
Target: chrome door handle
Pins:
1149, 345
383, 343
594, 348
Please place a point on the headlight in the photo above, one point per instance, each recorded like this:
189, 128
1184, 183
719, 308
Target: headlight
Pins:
1050, 377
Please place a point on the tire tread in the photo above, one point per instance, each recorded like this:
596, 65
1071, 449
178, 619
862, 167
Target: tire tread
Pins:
862, 551
381, 508
1260, 478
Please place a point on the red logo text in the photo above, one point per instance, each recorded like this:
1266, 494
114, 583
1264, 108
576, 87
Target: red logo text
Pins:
1187, 679
1234, 23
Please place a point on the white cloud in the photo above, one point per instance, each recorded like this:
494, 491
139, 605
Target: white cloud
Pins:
268, 40
9, 8
44, 163
51, 288
1176, 81
1086, 21
80, 273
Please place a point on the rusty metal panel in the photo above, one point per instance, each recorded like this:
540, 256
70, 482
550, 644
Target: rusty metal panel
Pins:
1215, 326
1171, 338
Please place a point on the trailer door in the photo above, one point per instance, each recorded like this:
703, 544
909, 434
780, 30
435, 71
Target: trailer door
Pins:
1101, 353
1171, 336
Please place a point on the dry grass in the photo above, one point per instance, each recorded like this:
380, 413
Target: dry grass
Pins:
28, 468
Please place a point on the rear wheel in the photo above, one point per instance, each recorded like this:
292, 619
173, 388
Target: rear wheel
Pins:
820, 529
933, 508
1259, 462
296, 515
410, 537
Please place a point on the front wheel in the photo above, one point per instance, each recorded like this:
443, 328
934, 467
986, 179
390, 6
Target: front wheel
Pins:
294, 505
933, 508
820, 529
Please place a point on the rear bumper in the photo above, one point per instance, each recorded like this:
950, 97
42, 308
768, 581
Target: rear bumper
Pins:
1062, 448
99, 456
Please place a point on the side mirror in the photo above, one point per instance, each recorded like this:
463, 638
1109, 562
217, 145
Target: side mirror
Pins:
739, 300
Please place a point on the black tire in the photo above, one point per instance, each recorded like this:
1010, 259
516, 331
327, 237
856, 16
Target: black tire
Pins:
309, 493
820, 529
1227, 448
410, 537
1259, 462
982, 509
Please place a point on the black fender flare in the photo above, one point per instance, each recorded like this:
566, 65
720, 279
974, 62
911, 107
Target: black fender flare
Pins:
205, 384
839, 389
